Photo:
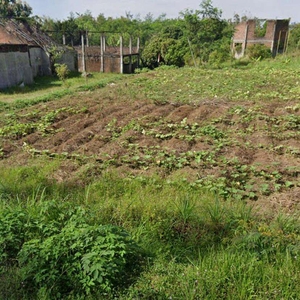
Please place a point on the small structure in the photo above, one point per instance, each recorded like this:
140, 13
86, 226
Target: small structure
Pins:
275, 37
25, 52
108, 59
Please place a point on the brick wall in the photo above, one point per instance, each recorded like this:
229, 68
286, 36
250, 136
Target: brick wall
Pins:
111, 59
274, 38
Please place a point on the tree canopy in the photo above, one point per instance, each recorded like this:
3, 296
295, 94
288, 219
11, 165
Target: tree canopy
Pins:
196, 36
14, 9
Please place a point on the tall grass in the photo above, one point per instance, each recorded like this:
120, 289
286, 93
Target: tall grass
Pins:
198, 247
220, 274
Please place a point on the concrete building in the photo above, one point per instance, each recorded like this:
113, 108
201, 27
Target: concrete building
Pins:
275, 38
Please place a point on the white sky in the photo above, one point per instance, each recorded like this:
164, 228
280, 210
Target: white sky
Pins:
264, 9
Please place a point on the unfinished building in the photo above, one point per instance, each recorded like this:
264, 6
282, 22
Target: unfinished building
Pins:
247, 34
108, 59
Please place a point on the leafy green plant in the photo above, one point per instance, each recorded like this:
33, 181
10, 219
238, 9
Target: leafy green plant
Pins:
58, 253
80, 260
62, 71
258, 52
13, 230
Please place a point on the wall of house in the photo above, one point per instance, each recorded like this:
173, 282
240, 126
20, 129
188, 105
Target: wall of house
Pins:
20, 63
14, 66
69, 58
40, 62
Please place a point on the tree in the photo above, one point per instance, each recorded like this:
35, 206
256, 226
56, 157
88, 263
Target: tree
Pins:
208, 11
168, 47
14, 9
207, 32
294, 39
56, 29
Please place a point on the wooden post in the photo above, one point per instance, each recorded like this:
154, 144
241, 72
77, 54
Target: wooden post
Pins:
121, 55
130, 45
130, 54
246, 40
83, 53
102, 53
273, 41
278, 43
138, 51
87, 38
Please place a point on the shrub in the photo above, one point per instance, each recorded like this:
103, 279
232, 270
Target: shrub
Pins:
217, 57
259, 51
80, 260
62, 71
12, 235
56, 250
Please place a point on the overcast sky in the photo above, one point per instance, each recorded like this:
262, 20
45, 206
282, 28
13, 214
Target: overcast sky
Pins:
264, 9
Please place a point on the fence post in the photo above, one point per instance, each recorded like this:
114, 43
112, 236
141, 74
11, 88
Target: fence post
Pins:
138, 51
245, 40
83, 53
87, 38
102, 53
121, 55
130, 54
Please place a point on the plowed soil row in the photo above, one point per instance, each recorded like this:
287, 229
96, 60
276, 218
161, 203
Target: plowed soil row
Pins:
109, 133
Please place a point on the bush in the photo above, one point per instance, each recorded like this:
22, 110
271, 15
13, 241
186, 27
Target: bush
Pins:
12, 236
62, 71
217, 57
80, 260
55, 250
258, 51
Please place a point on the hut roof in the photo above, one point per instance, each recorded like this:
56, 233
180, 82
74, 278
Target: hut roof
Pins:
22, 33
